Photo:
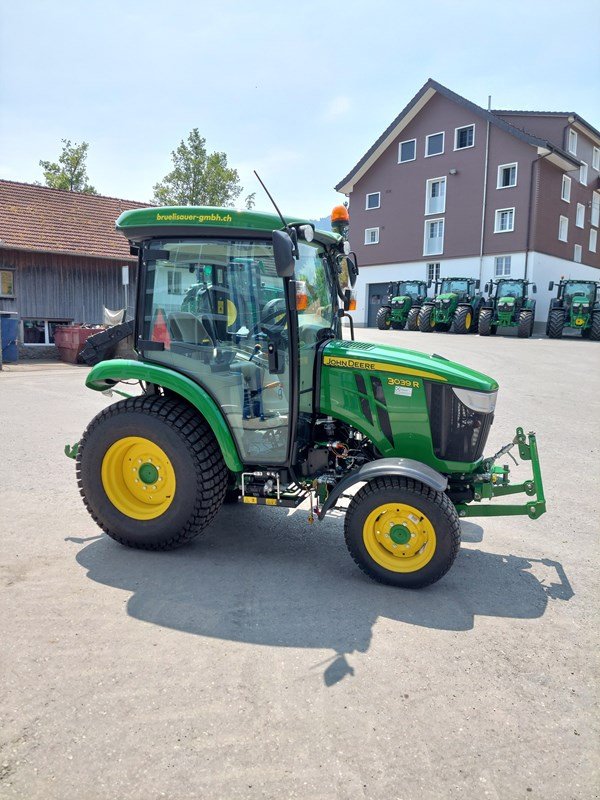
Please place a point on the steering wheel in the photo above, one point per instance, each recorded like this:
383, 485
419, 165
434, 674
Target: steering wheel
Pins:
269, 322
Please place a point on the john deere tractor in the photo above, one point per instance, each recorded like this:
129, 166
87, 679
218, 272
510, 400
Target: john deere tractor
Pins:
402, 307
577, 306
508, 306
247, 393
456, 304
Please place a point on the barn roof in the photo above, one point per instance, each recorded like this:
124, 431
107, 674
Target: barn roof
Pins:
56, 221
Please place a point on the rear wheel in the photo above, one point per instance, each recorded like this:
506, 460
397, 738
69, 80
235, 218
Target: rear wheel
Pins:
525, 328
150, 472
463, 320
556, 323
412, 321
595, 329
426, 321
401, 532
383, 320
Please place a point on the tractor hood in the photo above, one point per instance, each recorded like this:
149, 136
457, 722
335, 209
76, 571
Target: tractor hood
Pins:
447, 296
367, 357
507, 301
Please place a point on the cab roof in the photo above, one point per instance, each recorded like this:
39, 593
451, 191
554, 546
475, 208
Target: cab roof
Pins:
147, 223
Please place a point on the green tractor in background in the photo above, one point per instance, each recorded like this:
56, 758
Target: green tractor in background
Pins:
508, 306
404, 301
577, 305
456, 304
247, 393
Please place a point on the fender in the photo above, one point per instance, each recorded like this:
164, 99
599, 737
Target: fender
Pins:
105, 374
406, 467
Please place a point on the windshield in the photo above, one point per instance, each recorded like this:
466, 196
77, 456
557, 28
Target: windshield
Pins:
411, 288
510, 289
579, 288
457, 286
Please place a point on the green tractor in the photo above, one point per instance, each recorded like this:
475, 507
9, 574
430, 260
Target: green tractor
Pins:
577, 305
404, 301
456, 304
248, 394
508, 306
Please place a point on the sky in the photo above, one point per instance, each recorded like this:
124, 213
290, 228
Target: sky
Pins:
296, 91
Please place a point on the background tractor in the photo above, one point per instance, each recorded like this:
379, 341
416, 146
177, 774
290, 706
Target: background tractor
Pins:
508, 306
402, 307
456, 303
248, 393
577, 305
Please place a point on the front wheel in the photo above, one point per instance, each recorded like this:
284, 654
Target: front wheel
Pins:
150, 472
383, 320
556, 323
463, 320
426, 320
401, 532
595, 329
412, 321
525, 328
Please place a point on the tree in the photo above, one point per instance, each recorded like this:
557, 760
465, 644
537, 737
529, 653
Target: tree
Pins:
70, 173
199, 178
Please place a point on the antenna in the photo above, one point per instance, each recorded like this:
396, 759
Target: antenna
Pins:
271, 199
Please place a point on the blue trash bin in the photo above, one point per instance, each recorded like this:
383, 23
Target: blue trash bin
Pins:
9, 322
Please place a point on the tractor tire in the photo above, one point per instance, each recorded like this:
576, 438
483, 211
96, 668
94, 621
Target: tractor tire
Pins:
595, 328
412, 321
525, 328
485, 327
425, 322
463, 320
401, 532
398, 326
556, 323
177, 490
383, 320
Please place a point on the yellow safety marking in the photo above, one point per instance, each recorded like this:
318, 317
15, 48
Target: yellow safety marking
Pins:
270, 502
252, 500
378, 366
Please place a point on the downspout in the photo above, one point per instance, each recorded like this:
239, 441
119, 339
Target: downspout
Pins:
484, 198
531, 210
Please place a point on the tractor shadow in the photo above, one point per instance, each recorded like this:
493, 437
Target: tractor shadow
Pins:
265, 577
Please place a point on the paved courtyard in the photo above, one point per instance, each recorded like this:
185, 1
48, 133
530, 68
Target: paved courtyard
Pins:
259, 662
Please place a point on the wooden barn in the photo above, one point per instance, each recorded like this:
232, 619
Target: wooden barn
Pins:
61, 260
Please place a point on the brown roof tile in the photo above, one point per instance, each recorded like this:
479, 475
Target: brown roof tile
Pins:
52, 220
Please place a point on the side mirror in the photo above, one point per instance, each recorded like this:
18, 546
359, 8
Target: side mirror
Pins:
347, 271
283, 252
429, 284
477, 283
534, 288
551, 286
487, 288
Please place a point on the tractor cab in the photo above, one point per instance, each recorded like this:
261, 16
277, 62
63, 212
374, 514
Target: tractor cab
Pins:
460, 289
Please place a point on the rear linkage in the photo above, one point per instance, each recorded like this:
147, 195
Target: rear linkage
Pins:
494, 481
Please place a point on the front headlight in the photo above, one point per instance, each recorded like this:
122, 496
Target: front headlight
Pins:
483, 402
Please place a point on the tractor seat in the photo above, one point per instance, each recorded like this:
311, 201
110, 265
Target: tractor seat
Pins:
187, 327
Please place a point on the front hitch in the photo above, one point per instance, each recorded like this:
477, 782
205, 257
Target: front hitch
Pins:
494, 481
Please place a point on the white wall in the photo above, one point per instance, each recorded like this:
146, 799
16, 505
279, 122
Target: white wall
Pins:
541, 269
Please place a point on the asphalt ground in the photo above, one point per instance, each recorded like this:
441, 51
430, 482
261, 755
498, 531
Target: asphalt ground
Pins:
258, 662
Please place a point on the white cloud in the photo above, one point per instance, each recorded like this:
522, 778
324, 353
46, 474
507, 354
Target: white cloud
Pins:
337, 107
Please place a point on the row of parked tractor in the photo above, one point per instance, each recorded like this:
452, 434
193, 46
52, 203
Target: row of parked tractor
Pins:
458, 305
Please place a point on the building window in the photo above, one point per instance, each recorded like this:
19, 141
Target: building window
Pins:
577, 253
433, 271
464, 137
595, 209
501, 266
373, 200
580, 216
505, 220
371, 235
7, 283
40, 331
596, 158
593, 240
563, 229
407, 151
583, 173
507, 176
434, 237
434, 144
174, 282
435, 200
565, 191
572, 142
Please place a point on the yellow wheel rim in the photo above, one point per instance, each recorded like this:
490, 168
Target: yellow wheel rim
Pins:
399, 537
468, 320
138, 478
